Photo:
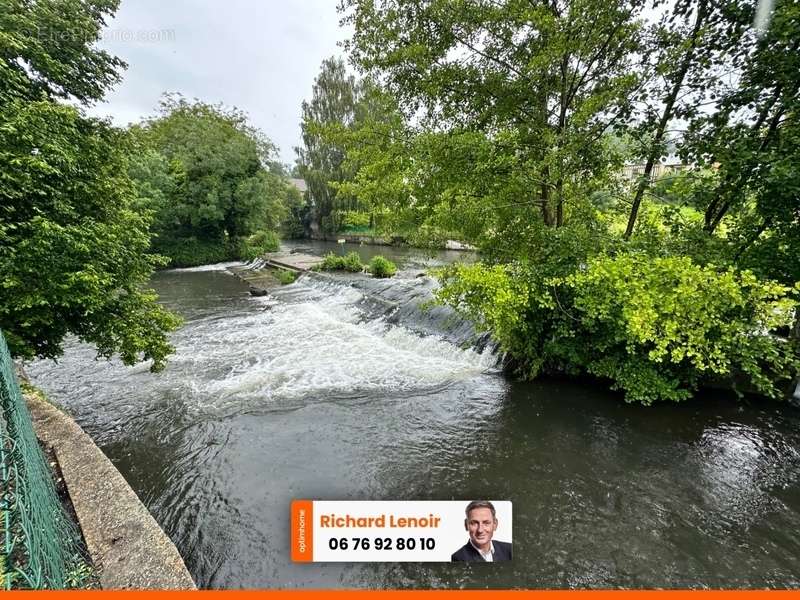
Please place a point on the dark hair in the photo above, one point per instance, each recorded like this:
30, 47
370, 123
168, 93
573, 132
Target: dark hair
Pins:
480, 504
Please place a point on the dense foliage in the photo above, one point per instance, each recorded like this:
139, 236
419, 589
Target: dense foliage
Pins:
340, 104
320, 161
73, 243
297, 221
506, 125
210, 179
657, 327
333, 262
258, 244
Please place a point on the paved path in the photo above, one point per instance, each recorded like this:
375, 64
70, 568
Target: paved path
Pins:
294, 261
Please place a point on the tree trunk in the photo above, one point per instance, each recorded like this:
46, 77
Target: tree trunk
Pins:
669, 105
722, 202
547, 215
559, 203
752, 239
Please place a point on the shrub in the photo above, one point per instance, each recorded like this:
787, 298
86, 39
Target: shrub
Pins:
662, 324
381, 267
333, 262
258, 244
285, 277
352, 263
191, 251
657, 327
353, 220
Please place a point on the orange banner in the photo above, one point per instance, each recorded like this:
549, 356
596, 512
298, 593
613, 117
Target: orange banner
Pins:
302, 531
421, 594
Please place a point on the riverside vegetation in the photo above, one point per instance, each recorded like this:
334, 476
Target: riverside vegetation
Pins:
505, 126
378, 266
88, 210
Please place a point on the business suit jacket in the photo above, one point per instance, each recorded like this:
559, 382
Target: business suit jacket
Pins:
468, 553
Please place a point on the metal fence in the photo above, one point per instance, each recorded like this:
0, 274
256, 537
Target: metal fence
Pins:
39, 544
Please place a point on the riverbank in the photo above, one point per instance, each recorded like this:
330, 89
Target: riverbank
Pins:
392, 240
261, 279
128, 549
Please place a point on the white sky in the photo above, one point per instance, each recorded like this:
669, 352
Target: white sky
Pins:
259, 55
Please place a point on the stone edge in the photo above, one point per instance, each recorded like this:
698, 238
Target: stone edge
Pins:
126, 544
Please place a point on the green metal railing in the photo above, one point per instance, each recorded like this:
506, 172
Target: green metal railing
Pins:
39, 544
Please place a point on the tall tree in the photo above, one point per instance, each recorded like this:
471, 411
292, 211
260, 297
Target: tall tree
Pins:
73, 247
333, 102
753, 136
693, 49
558, 74
222, 183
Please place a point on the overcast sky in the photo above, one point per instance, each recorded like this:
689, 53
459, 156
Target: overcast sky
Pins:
260, 56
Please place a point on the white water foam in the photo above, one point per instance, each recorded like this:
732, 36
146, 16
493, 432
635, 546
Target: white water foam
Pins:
223, 266
318, 348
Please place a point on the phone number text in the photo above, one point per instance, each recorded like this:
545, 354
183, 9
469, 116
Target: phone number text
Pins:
381, 543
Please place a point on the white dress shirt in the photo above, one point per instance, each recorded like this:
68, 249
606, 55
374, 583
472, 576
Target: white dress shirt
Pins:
488, 556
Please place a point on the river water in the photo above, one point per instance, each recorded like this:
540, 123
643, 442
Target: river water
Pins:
347, 388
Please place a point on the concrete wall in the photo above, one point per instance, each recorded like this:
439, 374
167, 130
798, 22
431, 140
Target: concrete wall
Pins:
127, 546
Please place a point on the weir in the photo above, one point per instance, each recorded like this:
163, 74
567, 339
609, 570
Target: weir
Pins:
293, 261
405, 301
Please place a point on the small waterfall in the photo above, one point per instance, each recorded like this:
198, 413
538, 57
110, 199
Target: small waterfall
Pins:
328, 337
407, 302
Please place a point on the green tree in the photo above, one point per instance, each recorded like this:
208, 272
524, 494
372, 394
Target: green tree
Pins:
514, 118
47, 50
693, 48
211, 179
544, 81
333, 103
753, 140
297, 213
73, 250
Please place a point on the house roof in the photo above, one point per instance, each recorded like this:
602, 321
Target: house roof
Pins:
300, 184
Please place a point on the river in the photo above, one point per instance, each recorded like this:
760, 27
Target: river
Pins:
335, 389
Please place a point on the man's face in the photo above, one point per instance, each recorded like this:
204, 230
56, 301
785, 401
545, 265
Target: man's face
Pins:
481, 526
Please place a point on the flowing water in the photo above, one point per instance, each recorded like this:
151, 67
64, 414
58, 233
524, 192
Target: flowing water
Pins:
352, 388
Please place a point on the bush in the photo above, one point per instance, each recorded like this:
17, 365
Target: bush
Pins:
353, 220
285, 277
657, 327
381, 267
333, 262
191, 251
259, 244
352, 263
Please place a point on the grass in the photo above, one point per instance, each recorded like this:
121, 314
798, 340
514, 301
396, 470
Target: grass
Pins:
285, 277
333, 262
381, 267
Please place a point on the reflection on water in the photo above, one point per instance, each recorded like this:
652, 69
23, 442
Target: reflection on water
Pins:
315, 393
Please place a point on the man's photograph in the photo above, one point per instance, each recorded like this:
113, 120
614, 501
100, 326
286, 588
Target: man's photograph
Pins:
481, 523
